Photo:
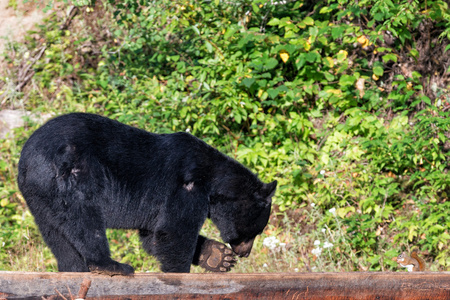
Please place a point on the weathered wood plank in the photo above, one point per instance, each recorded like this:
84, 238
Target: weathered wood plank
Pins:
365, 285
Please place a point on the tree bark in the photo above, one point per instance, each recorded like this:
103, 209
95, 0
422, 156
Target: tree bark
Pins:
364, 285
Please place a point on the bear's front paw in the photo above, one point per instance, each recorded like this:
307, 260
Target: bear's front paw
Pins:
216, 257
112, 269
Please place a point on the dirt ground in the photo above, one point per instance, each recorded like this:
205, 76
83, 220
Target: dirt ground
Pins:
14, 22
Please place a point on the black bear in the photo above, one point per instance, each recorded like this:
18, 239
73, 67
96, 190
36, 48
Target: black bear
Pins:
82, 173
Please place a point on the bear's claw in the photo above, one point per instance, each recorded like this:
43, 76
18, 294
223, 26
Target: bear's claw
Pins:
216, 257
112, 269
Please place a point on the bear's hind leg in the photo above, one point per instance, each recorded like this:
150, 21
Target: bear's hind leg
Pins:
76, 235
86, 231
69, 259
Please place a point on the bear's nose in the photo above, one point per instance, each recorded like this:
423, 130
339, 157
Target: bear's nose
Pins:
243, 249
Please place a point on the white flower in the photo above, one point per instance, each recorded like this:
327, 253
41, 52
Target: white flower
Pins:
313, 204
271, 242
316, 251
265, 265
188, 130
323, 230
316, 243
327, 245
296, 270
332, 210
322, 172
242, 103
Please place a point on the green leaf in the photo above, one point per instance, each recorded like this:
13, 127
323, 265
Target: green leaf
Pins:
426, 99
309, 21
389, 57
325, 10
347, 80
300, 62
337, 32
209, 47
414, 53
274, 22
378, 71
272, 93
248, 82
196, 29
271, 63
255, 7
329, 76
446, 48
313, 57
416, 74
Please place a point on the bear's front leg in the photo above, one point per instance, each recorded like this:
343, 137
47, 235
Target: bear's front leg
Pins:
213, 256
173, 248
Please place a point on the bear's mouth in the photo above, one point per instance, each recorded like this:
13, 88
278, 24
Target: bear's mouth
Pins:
244, 248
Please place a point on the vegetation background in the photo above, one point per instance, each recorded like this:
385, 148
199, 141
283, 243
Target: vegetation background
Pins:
344, 102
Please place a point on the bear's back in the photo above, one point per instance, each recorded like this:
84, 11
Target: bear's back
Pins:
90, 148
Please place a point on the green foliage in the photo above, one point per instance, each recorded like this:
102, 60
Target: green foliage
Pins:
20, 243
331, 98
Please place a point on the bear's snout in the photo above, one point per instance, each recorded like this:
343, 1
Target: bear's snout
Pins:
243, 249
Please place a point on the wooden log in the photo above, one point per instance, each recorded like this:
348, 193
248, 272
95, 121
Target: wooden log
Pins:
364, 285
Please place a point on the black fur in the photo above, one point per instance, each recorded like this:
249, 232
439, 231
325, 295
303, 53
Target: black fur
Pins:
82, 173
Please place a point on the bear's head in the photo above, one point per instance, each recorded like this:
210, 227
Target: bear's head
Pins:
241, 210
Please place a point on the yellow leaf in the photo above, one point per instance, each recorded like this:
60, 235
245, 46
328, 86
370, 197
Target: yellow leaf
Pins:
342, 55
284, 55
334, 91
363, 41
4, 202
375, 77
329, 61
260, 92
343, 211
343, 52
307, 46
412, 232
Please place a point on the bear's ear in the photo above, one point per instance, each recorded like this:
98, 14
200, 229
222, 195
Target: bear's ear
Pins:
268, 189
